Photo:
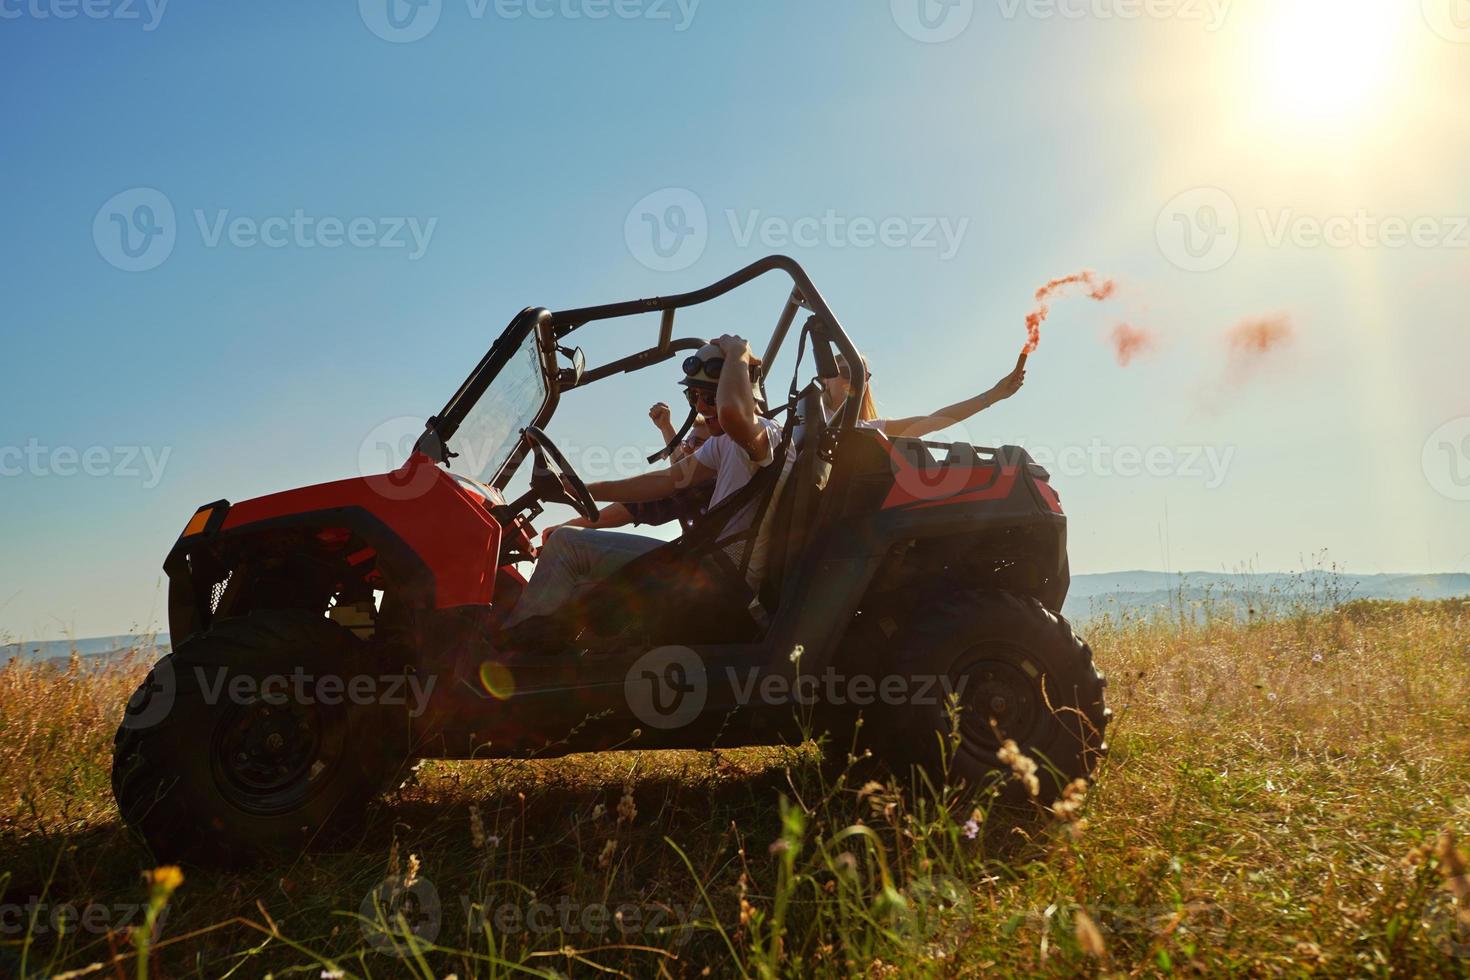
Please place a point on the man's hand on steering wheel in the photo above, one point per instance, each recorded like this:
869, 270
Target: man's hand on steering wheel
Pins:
554, 479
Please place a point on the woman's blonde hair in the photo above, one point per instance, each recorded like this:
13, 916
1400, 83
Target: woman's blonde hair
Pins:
868, 410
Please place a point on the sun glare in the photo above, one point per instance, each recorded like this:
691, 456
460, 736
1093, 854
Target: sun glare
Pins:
1329, 62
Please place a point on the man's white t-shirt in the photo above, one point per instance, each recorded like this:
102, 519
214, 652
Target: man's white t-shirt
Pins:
733, 469
732, 464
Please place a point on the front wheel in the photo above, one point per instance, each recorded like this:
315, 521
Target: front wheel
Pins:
265, 735
1016, 672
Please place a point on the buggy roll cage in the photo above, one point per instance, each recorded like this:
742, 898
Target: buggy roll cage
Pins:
553, 327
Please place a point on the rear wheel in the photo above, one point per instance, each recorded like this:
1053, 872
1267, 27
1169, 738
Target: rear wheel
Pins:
265, 735
1017, 672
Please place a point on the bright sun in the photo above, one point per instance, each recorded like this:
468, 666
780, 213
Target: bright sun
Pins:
1328, 62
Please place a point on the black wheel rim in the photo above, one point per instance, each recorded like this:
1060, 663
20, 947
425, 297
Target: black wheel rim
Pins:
1001, 698
273, 756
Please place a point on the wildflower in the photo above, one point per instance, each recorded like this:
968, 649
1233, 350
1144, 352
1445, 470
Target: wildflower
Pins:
796, 652
1067, 808
1088, 935
627, 811
493, 840
598, 811
1271, 696
165, 879
1021, 765
972, 828
779, 846
477, 828
411, 876
1316, 658
605, 858
1455, 867
331, 975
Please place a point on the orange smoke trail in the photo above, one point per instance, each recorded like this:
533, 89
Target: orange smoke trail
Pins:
1096, 290
1252, 339
1129, 342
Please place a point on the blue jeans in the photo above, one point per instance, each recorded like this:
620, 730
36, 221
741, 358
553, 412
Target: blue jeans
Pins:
574, 560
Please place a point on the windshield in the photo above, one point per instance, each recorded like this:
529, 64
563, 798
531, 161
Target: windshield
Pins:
491, 431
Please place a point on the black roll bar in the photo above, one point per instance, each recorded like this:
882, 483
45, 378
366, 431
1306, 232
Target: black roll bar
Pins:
804, 294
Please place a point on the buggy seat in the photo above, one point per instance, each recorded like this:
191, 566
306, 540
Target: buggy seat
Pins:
704, 586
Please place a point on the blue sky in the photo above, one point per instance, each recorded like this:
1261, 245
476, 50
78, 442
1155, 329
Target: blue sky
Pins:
1313, 152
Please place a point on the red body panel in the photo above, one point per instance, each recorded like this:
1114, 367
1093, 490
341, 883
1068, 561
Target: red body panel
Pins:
915, 488
446, 526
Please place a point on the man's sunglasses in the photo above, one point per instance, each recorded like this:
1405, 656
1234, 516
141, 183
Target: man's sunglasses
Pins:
712, 367
697, 395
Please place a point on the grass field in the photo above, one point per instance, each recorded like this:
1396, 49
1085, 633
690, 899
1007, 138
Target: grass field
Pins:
1281, 798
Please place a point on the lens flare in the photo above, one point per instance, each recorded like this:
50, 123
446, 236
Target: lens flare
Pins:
497, 680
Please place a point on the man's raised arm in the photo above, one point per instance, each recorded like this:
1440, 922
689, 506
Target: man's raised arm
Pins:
735, 398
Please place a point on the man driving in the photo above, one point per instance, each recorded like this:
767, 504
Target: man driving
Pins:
719, 382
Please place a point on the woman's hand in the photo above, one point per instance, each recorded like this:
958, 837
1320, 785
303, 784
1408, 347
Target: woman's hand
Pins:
1009, 385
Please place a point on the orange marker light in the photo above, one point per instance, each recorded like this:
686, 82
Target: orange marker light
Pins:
197, 522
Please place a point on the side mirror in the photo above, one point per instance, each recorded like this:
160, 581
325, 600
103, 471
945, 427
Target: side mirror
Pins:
572, 376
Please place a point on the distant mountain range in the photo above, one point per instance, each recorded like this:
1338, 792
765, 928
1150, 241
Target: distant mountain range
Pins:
1138, 594
1150, 595
95, 646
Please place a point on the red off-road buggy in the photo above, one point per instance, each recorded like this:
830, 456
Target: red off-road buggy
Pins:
326, 638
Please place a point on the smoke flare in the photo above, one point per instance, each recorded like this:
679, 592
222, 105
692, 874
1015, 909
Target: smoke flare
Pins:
1252, 340
1098, 290
1130, 341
